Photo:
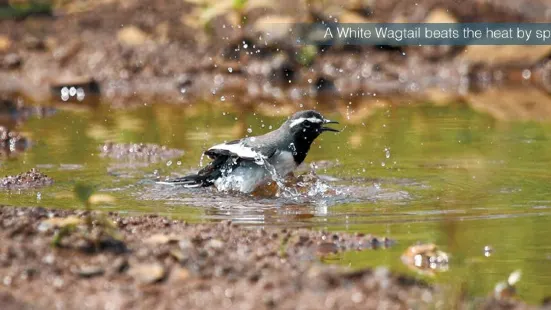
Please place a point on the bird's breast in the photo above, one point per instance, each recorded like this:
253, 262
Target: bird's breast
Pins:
284, 163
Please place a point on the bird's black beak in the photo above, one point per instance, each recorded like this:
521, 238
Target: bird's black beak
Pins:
327, 121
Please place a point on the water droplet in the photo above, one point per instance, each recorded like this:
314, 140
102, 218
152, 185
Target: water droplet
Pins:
223, 98
488, 251
80, 94
38, 196
168, 163
249, 130
387, 152
383, 164
230, 70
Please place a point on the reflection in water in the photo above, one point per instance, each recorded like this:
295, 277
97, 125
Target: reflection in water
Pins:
451, 176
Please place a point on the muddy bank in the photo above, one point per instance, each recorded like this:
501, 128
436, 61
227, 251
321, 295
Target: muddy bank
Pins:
30, 179
133, 52
151, 262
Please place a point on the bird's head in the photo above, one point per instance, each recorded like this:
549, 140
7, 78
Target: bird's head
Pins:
308, 125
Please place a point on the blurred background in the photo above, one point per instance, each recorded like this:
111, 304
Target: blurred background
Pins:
179, 51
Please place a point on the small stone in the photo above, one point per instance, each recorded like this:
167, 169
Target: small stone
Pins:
89, 271
65, 53
59, 222
426, 258
11, 61
5, 43
326, 248
179, 274
162, 239
147, 273
33, 43
178, 254
132, 36
120, 264
215, 244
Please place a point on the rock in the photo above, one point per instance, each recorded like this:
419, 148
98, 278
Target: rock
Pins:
426, 258
507, 289
162, 239
178, 254
33, 43
179, 274
89, 271
326, 248
132, 36
5, 43
147, 273
440, 16
215, 244
119, 265
274, 28
31, 179
59, 222
65, 53
11, 61
437, 15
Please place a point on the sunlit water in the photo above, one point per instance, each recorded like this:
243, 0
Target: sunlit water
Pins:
445, 175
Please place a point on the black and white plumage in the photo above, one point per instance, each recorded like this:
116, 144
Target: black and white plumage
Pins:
243, 165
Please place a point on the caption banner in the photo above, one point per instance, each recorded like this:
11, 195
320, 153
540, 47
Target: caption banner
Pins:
425, 34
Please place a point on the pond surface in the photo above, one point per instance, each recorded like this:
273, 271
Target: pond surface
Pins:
443, 175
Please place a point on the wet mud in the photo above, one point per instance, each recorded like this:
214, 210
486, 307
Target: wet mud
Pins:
167, 264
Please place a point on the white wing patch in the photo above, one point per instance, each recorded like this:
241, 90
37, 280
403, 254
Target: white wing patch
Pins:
302, 119
241, 150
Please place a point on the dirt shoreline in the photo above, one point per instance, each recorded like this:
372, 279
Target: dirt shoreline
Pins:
159, 263
133, 52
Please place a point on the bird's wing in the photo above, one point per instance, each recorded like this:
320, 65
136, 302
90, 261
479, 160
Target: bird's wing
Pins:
245, 149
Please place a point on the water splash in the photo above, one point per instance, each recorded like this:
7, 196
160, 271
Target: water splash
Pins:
201, 160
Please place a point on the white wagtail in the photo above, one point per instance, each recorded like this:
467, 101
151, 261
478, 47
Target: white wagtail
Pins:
244, 164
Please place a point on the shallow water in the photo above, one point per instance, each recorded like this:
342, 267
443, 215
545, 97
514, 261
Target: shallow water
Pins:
444, 175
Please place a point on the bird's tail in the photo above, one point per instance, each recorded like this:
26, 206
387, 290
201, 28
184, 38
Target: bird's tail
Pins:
189, 181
